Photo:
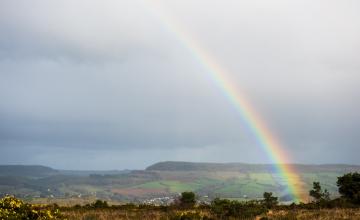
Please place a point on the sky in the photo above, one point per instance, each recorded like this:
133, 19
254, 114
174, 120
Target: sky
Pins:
108, 85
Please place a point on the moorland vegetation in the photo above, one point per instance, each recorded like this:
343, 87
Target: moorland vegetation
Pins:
347, 206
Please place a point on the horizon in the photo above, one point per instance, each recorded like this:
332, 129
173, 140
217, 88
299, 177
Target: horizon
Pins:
192, 162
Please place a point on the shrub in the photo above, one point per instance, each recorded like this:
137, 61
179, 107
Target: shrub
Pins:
349, 186
99, 204
12, 208
187, 199
318, 194
270, 200
224, 208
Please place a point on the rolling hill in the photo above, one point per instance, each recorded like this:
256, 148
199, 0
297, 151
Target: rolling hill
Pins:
208, 180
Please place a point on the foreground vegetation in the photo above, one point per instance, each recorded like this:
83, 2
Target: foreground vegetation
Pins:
298, 214
12, 208
218, 209
187, 207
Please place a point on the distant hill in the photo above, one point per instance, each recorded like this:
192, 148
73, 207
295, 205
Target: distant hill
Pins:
92, 172
27, 171
244, 167
189, 166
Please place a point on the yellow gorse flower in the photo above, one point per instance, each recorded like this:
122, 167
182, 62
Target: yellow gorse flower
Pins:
13, 208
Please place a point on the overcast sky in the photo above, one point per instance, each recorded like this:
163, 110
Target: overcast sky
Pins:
106, 85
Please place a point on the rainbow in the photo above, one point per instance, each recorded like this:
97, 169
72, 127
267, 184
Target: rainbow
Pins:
252, 119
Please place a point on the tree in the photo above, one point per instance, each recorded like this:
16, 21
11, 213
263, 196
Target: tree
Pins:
187, 199
270, 200
349, 186
100, 204
318, 194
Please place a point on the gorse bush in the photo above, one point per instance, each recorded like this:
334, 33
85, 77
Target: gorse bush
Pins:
12, 208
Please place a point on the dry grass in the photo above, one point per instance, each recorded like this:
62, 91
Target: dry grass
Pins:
322, 214
105, 214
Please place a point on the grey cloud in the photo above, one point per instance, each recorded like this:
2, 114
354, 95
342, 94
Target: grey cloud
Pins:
110, 79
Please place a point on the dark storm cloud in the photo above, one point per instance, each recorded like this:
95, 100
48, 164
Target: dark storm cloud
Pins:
108, 81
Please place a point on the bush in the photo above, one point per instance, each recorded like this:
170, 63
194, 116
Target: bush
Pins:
270, 200
12, 208
187, 199
224, 208
318, 194
99, 204
349, 186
